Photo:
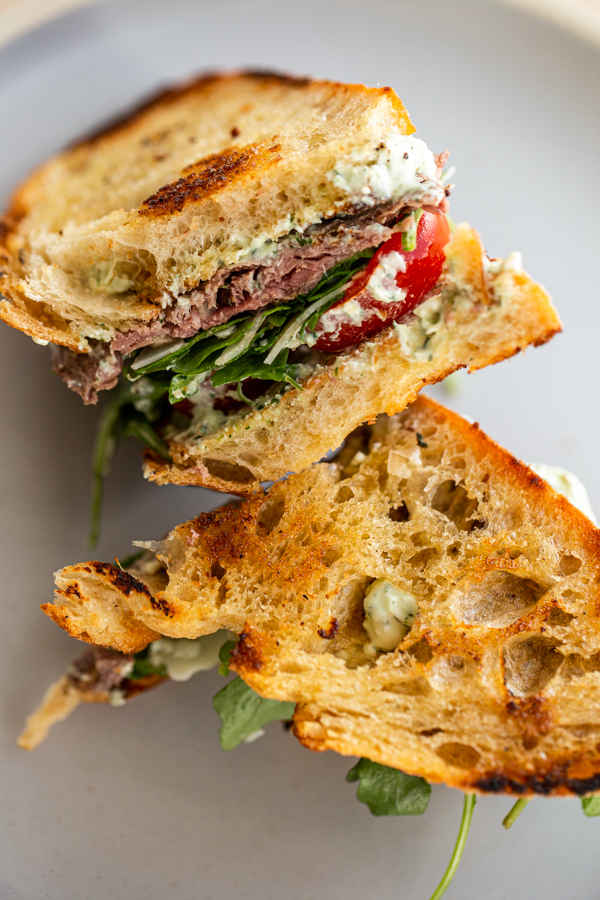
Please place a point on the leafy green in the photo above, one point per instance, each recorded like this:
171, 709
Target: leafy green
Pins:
515, 811
389, 792
142, 667
243, 712
203, 352
465, 823
225, 656
591, 805
130, 412
128, 561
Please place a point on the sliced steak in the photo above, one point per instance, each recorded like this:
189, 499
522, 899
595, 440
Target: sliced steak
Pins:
299, 264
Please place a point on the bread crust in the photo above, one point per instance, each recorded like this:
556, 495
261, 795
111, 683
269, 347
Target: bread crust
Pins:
496, 688
174, 188
486, 318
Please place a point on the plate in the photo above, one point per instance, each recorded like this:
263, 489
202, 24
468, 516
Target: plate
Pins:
140, 802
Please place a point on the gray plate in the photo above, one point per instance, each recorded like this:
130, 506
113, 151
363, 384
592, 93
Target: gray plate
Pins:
140, 802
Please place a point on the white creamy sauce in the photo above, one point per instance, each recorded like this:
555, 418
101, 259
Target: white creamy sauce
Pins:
567, 484
382, 283
512, 263
398, 166
389, 614
182, 658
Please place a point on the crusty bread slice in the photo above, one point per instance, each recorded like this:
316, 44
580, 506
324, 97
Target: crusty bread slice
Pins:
191, 182
496, 688
483, 312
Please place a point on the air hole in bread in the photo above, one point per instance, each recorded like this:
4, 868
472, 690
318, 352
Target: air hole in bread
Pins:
344, 494
485, 478
460, 755
332, 555
558, 618
451, 499
421, 651
221, 595
592, 663
412, 687
498, 600
399, 513
217, 570
530, 662
423, 557
271, 513
227, 471
430, 430
453, 549
569, 564
572, 667
458, 463
430, 732
530, 742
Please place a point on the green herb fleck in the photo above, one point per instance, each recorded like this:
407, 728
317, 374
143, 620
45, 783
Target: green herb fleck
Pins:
389, 792
421, 440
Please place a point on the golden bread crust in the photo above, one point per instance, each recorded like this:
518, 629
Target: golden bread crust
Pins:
496, 688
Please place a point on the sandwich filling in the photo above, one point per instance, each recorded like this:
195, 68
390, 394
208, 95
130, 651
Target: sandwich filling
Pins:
270, 283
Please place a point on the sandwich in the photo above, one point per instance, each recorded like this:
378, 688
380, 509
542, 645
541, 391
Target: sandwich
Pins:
255, 264
426, 601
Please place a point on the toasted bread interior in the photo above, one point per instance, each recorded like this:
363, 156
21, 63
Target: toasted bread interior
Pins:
495, 688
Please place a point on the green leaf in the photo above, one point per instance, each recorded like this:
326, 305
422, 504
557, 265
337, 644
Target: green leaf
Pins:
142, 668
225, 656
389, 792
137, 426
251, 366
591, 805
243, 712
128, 561
463, 832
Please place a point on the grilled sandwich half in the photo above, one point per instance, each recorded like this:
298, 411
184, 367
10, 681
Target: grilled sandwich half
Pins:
426, 600
265, 262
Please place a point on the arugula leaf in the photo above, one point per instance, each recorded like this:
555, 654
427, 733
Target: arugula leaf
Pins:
243, 712
515, 811
142, 668
591, 805
201, 353
389, 792
225, 656
463, 832
129, 413
251, 366
128, 561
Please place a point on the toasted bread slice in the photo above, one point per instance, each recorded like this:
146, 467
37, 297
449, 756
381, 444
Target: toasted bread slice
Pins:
103, 237
496, 687
481, 313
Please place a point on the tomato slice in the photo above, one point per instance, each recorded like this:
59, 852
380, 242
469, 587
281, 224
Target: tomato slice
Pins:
392, 284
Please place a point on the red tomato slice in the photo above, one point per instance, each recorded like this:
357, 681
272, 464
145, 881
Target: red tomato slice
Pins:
401, 281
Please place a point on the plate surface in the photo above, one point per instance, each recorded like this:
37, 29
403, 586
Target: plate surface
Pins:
140, 802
